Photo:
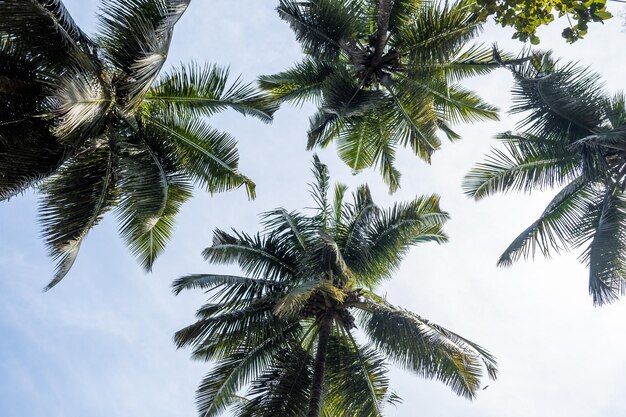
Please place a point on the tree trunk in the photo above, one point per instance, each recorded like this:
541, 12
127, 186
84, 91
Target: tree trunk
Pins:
315, 401
384, 14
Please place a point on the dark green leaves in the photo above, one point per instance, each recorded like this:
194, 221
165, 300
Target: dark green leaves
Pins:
203, 90
427, 349
383, 77
89, 117
527, 17
271, 332
574, 137
75, 199
136, 36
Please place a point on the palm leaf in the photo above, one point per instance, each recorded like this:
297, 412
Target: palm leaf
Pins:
205, 90
136, 36
322, 26
556, 227
427, 349
208, 157
152, 192
75, 198
605, 227
527, 162
300, 83
256, 256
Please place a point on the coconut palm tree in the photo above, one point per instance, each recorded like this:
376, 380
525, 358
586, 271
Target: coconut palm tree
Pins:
287, 328
91, 121
384, 74
574, 138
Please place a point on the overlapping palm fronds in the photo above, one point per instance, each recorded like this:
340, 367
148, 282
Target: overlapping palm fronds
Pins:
384, 74
574, 137
285, 329
95, 125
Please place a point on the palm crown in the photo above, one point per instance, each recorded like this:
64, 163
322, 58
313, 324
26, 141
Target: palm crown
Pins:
287, 329
92, 118
574, 138
383, 74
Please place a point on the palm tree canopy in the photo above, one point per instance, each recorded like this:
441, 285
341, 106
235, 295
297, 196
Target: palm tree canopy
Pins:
574, 138
384, 74
307, 284
94, 120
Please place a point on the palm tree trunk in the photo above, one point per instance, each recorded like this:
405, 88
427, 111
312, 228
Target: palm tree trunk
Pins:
384, 14
315, 401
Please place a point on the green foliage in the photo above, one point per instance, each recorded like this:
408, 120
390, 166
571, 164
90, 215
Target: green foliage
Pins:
290, 321
575, 138
94, 126
527, 16
384, 75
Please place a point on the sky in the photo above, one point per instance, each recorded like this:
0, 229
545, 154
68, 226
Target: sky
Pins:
100, 343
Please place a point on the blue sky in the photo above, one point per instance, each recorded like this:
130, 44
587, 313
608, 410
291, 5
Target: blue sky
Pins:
99, 344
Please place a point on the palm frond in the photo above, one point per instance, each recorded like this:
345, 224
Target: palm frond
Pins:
427, 349
605, 227
20, 168
615, 110
438, 32
283, 389
152, 192
46, 29
556, 227
474, 60
411, 119
356, 379
290, 305
393, 231
203, 90
208, 157
319, 190
135, 36
322, 26
300, 83
75, 198
527, 162
219, 388
292, 226
557, 99
256, 256
81, 106
210, 282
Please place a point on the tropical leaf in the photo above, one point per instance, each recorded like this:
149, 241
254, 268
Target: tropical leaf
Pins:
527, 162
136, 36
283, 332
573, 136
205, 90
303, 82
152, 192
427, 349
556, 227
384, 74
75, 199
605, 229
209, 157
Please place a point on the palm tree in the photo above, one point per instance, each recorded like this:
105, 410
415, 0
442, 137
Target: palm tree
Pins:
574, 138
384, 74
92, 123
286, 329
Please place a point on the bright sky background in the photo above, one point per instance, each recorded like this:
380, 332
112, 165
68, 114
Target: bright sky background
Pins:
99, 344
